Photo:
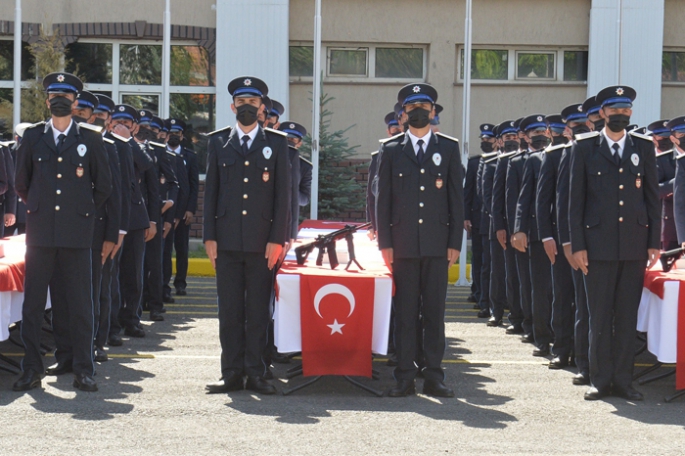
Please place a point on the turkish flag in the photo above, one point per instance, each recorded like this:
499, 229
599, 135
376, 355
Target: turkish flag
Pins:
337, 323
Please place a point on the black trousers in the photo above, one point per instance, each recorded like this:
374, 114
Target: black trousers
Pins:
525, 289
581, 337
115, 288
420, 286
541, 297
131, 276
498, 280
476, 263
181, 243
485, 271
167, 264
513, 287
614, 289
244, 283
103, 311
67, 273
563, 319
152, 270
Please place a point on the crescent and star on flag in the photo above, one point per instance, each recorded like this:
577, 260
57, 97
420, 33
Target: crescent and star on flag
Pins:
334, 288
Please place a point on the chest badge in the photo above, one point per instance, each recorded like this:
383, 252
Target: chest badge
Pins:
635, 159
437, 159
638, 182
267, 152
265, 175
438, 183
79, 171
81, 149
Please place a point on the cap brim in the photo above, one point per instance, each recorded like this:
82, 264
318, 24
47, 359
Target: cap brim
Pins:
618, 105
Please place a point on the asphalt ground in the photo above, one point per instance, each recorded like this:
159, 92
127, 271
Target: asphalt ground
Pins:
152, 401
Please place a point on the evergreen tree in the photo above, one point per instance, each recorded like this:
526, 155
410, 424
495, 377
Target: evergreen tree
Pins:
338, 190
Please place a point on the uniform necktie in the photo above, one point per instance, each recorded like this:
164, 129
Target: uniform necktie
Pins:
60, 142
420, 153
246, 138
617, 157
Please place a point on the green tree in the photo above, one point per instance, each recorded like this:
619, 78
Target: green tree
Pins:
338, 190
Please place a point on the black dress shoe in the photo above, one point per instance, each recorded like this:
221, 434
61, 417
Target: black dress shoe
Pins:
476, 307
85, 382
559, 362
259, 385
629, 393
528, 339
436, 389
392, 360
114, 340
181, 292
485, 313
29, 380
279, 358
494, 322
168, 299
581, 379
100, 355
233, 382
156, 315
594, 394
59, 369
541, 351
514, 329
471, 298
268, 374
403, 388
162, 310
134, 331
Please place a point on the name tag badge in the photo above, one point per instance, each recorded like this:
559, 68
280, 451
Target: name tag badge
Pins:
635, 159
79, 171
81, 149
638, 182
267, 152
437, 159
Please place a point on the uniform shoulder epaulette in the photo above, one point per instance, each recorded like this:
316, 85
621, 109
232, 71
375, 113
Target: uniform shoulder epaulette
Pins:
443, 135
373, 154
490, 160
278, 132
392, 138
211, 133
679, 156
510, 154
665, 153
90, 127
557, 147
489, 155
306, 161
7, 143
170, 152
156, 144
641, 136
120, 138
41, 124
588, 135
108, 141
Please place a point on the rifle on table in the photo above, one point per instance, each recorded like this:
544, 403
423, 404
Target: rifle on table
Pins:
669, 258
326, 245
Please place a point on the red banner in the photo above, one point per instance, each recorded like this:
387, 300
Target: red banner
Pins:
337, 323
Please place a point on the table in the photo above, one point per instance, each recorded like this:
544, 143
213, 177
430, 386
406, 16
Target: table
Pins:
334, 304
662, 316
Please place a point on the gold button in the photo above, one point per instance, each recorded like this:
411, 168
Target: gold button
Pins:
620, 203
620, 187
59, 159
247, 163
245, 180
56, 208
423, 188
59, 176
420, 221
666, 217
620, 219
244, 212
59, 192
245, 196
599, 173
423, 171
620, 170
400, 174
420, 204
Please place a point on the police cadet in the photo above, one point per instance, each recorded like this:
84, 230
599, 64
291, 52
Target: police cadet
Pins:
546, 214
8, 196
420, 228
480, 223
665, 164
677, 128
504, 284
19, 224
274, 115
435, 121
615, 227
494, 281
244, 234
63, 176
124, 125
393, 128
526, 237
107, 225
295, 134
187, 172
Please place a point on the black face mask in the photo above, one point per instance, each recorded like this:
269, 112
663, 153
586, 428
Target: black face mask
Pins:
60, 106
292, 143
538, 142
418, 118
511, 146
247, 114
618, 122
664, 144
145, 134
99, 122
599, 124
580, 129
78, 119
486, 146
524, 144
174, 141
559, 140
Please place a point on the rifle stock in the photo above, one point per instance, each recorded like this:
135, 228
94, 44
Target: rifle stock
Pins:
669, 258
326, 245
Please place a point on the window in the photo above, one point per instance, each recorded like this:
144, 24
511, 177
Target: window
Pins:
535, 66
575, 65
400, 63
347, 62
91, 61
673, 67
191, 66
301, 60
140, 64
487, 64
28, 62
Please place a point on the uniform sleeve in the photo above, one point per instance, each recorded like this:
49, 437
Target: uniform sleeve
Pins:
11, 195
455, 199
100, 172
384, 199
305, 190
294, 196
154, 203
544, 197
577, 198
141, 158
370, 196
470, 188
24, 169
511, 194
125, 166
497, 207
525, 198
679, 200
193, 181
113, 204
211, 194
563, 184
279, 229
652, 201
